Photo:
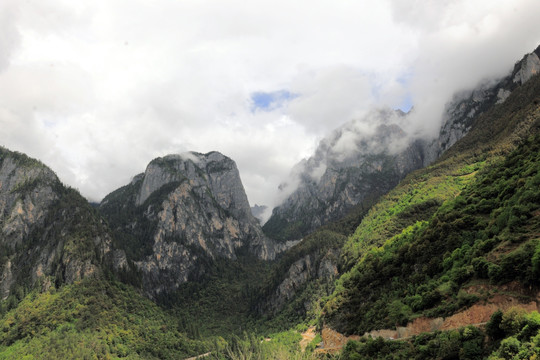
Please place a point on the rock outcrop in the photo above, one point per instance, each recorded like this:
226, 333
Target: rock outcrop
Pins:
26, 193
49, 234
183, 211
461, 112
356, 164
302, 271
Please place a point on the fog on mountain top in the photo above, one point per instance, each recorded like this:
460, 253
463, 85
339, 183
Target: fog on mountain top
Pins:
96, 90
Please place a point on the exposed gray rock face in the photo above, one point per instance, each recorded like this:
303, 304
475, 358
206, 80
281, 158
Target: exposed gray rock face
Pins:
48, 234
530, 66
459, 118
185, 209
308, 268
465, 106
357, 163
25, 196
6, 280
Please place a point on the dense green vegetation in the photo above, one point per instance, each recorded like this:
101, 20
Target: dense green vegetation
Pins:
512, 335
99, 318
223, 301
92, 319
487, 232
471, 216
470, 219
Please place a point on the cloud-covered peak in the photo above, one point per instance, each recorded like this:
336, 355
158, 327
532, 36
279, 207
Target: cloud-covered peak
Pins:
98, 89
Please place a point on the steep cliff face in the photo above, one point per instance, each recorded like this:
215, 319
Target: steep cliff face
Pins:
26, 193
49, 234
461, 112
183, 211
320, 267
354, 165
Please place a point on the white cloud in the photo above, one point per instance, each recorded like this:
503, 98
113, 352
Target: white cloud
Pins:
98, 89
460, 44
9, 36
329, 97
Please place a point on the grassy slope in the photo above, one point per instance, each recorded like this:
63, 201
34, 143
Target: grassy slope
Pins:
404, 259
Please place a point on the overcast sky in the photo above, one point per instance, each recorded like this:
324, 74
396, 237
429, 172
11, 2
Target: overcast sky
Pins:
96, 89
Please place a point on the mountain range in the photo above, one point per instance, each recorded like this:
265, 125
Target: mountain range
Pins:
379, 230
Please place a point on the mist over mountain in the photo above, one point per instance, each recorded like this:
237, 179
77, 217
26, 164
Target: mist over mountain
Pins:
269, 180
258, 211
368, 156
355, 164
97, 98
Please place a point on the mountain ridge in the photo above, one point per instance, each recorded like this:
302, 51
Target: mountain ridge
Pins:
50, 234
349, 167
182, 209
447, 237
368, 172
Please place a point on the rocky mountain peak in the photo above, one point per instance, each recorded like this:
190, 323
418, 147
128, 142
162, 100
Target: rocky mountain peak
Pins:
460, 112
356, 163
49, 233
184, 209
213, 170
26, 192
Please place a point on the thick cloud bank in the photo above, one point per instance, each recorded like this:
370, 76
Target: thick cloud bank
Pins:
98, 89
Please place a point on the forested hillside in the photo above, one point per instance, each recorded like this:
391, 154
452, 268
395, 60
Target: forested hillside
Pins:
93, 319
460, 235
471, 217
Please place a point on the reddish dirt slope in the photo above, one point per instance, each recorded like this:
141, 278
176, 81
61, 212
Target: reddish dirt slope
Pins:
476, 315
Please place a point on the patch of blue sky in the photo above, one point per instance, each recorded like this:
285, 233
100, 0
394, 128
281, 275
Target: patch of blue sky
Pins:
405, 78
406, 104
268, 101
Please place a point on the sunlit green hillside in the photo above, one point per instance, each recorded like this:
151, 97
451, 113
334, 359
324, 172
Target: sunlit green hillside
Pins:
472, 216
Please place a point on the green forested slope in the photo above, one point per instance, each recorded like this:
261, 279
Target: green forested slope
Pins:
471, 215
510, 335
93, 319
470, 218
